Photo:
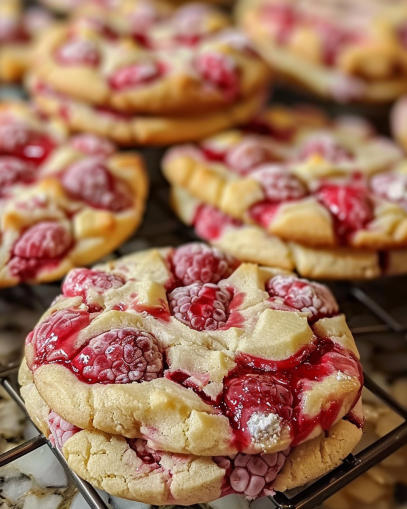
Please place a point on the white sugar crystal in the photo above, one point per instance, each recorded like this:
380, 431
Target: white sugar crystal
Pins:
47, 502
264, 426
120, 503
342, 376
43, 466
230, 502
15, 484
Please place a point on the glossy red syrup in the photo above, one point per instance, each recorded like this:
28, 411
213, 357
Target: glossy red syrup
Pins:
211, 154
160, 313
35, 151
210, 223
263, 213
135, 75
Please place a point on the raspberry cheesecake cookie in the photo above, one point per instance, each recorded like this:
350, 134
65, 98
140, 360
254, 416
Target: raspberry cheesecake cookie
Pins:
131, 469
196, 354
338, 49
312, 184
63, 202
18, 29
252, 243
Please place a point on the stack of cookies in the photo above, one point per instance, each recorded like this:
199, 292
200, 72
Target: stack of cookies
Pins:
297, 190
148, 74
179, 376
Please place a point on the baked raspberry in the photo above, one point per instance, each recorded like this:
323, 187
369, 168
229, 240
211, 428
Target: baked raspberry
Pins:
263, 213
11, 30
80, 281
391, 186
92, 145
282, 19
147, 455
249, 153
14, 171
210, 223
134, 75
78, 52
278, 184
198, 262
53, 339
220, 70
120, 356
325, 146
251, 475
201, 307
334, 38
48, 239
302, 295
13, 134
350, 206
17, 140
61, 430
89, 180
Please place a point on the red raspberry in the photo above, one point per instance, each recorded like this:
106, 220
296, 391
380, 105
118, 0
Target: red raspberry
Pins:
282, 19
11, 30
201, 307
120, 356
89, 180
251, 475
391, 186
146, 454
43, 240
210, 223
278, 184
13, 134
198, 262
350, 206
302, 295
61, 430
78, 52
92, 145
220, 71
54, 338
14, 171
249, 153
326, 146
80, 281
136, 74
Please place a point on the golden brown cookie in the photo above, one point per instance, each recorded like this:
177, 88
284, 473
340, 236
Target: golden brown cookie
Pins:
317, 185
63, 202
342, 50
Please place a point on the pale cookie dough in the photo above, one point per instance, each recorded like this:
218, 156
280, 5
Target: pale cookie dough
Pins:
196, 353
132, 470
342, 50
64, 201
313, 182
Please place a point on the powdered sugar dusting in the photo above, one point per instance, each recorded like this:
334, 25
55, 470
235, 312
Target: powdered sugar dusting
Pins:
264, 426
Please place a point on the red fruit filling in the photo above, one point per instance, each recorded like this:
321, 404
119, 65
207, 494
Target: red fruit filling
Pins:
210, 223
282, 19
334, 39
350, 207
92, 145
120, 356
220, 71
301, 295
17, 140
12, 30
278, 184
392, 187
80, 281
42, 245
197, 262
78, 52
201, 307
61, 430
263, 213
14, 171
188, 23
325, 146
248, 154
136, 74
90, 181
251, 475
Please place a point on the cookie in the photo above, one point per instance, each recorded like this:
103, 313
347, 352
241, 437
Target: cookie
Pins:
189, 63
319, 186
341, 50
18, 29
130, 130
63, 202
129, 468
159, 346
251, 243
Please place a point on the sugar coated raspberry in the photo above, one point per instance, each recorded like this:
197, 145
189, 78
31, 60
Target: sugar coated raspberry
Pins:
350, 206
281, 18
200, 263
201, 307
326, 146
249, 153
120, 356
391, 186
220, 71
279, 184
78, 52
14, 171
61, 430
13, 134
48, 239
92, 145
136, 74
89, 180
210, 223
302, 295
